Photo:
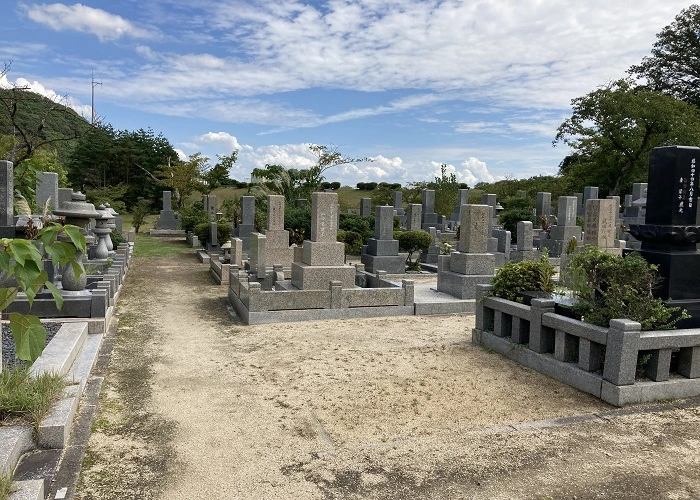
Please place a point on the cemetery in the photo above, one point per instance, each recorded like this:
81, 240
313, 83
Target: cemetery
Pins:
267, 279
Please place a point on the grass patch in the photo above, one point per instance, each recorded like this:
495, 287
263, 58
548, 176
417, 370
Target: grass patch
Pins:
25, 398
5, 487
151, 246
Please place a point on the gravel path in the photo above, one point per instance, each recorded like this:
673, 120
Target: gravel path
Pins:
196, 405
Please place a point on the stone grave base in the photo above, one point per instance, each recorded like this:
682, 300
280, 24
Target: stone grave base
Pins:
306, 277
167, 232
392, 264
462, 286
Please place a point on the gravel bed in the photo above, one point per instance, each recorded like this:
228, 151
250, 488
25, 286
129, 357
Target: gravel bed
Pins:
8, 344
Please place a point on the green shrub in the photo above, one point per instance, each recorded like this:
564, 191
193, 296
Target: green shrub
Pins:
364, 226
353, 242
525, 276
510, 217
141, 210
201, 230
193, 215
298, 222
117, 238
608, 286
411, 242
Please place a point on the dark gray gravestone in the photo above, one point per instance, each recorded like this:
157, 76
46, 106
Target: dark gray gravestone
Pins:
670, 233
7, 193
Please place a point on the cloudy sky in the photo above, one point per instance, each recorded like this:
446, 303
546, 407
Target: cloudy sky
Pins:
480, 85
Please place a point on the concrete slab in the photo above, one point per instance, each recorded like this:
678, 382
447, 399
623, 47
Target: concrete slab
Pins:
15, 440
55, 429
61, 351
86, 360
28, 490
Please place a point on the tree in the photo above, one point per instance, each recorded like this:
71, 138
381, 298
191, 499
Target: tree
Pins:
294, 183
218, 174
674, 64
613, 129
445, 187
185, 177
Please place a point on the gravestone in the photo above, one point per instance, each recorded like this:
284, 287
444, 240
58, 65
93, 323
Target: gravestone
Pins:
323, 257
247, 225
168, 219
64, 195
543, 207
600, 226
579, 204
213, 240
525, 249
562, 233
462, 199
209, 202
398, 205
382, 251
503, 250
431, 254
7, 193
365, 207
278, 252
428, 216
670, 232
413, 217
256, 255
47, 190
470, 265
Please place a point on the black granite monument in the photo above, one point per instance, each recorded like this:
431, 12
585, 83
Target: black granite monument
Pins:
670, 233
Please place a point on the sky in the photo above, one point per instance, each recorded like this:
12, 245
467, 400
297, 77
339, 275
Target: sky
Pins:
479, 85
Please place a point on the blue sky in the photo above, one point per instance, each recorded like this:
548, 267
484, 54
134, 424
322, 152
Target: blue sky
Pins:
479, 85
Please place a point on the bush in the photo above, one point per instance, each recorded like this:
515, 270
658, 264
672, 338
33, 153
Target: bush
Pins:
411, 242
201, 230
364, 226
117, 238
223, 231
525, 276
353, 242
509, 219
193, 215
298, 222
142, 209
608, 286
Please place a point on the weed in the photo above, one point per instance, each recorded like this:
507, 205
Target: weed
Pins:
27, 398
5, 487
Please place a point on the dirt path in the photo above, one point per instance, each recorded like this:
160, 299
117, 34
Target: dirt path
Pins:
196, 405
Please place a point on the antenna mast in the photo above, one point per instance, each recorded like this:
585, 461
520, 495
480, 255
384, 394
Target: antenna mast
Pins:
94, 84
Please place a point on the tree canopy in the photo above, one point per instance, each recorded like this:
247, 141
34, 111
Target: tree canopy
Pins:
613, 129
674, 64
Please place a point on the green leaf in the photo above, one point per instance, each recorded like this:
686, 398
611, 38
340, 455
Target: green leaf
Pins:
29, 335
4, 260
7, 295
56, 294
75, 236
23, 250
49, 234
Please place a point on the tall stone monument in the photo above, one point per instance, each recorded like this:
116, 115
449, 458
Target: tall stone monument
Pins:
670, 233
323, 258
247, 225
47, 190
471, 264
413, 217
168, 219
462, 199
561, 234
599, 231
428, 216
383, 250
7, 206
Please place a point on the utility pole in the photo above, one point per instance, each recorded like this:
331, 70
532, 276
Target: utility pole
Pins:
94, 84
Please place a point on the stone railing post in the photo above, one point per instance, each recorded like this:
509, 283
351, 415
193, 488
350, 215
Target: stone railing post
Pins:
621, 352
540, 340
409, 291
481, 292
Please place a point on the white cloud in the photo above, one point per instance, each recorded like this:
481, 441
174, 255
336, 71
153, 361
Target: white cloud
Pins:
78, 17
223, 138
474, 171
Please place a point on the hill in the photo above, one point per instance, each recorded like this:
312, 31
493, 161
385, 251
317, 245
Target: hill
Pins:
44, 122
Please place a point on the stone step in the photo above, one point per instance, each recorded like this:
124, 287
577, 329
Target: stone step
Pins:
27, 490
62, 350
15, 440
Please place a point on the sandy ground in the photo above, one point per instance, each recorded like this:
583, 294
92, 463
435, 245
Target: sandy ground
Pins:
197, 405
